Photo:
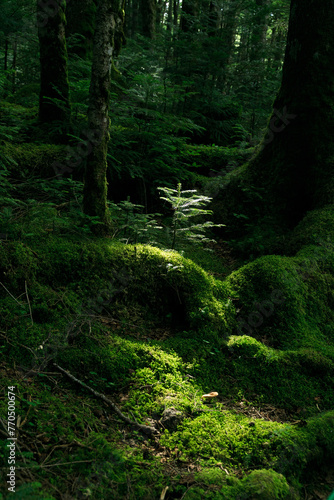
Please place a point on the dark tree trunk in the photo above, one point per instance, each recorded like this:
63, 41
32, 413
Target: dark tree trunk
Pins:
176, 4
149, 15
170, 16
229, 26
214, 18
80, 16
14, 65
107, 41
189, 15
6, 55
53, 57
294, 169
260, 29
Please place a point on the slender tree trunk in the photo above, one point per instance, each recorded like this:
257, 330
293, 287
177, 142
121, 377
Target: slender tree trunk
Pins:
229, 26
149, 15
6, 80
53, 57
189, 15
14, 65
6, 55
214, 18
107, 40
170, 16
260, 29
176, 4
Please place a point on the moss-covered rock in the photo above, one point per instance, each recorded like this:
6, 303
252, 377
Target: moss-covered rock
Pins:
288, 300
316, 228
265, 484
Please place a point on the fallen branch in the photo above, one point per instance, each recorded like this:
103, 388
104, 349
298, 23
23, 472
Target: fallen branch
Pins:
143, 428
26, 289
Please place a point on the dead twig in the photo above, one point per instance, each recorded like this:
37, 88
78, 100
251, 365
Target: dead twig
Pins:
26, 289
143, 428
10, 294
67, 445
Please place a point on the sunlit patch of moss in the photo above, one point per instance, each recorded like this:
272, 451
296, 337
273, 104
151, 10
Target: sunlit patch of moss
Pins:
237, 442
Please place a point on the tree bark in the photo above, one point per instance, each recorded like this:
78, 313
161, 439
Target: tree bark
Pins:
294, 168
176, 5
149, 15
80, 16
15, 44
107, 42
53, 58
189, 15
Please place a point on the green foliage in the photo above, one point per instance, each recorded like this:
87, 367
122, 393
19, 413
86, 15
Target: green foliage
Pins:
131, 225
31, 491
149, 328
95, 308
185, 205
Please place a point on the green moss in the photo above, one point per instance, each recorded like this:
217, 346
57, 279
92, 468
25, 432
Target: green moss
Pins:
33, 158
288, 300
265, 485
97, 307
161, 283
316, 228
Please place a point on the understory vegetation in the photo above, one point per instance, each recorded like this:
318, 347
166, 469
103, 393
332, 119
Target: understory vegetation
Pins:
155, 329
187, 352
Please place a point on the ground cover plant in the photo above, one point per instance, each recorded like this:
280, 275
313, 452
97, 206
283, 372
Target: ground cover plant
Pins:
166, 250
153, 331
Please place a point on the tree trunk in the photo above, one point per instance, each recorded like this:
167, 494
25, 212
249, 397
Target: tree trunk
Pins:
189, 15
293, 170
176, 5
260, 29
53, 58
14, 65
170, 16
6, 55
80, 16
149, 14
107, 40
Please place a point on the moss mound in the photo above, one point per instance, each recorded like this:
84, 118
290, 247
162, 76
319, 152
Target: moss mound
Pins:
316, 228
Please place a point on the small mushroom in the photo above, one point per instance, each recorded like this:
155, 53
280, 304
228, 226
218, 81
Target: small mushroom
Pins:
210, 395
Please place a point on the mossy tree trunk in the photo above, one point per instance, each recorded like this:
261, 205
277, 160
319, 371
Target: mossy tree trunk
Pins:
293, 169
107, 41
53, 59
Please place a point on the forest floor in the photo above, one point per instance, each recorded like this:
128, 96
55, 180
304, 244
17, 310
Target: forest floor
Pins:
155, 330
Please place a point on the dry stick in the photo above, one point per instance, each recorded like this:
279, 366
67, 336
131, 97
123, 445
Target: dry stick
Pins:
144, 428
10, 294
25, 285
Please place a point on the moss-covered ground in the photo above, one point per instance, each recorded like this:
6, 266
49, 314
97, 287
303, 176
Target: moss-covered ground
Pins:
152, 330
